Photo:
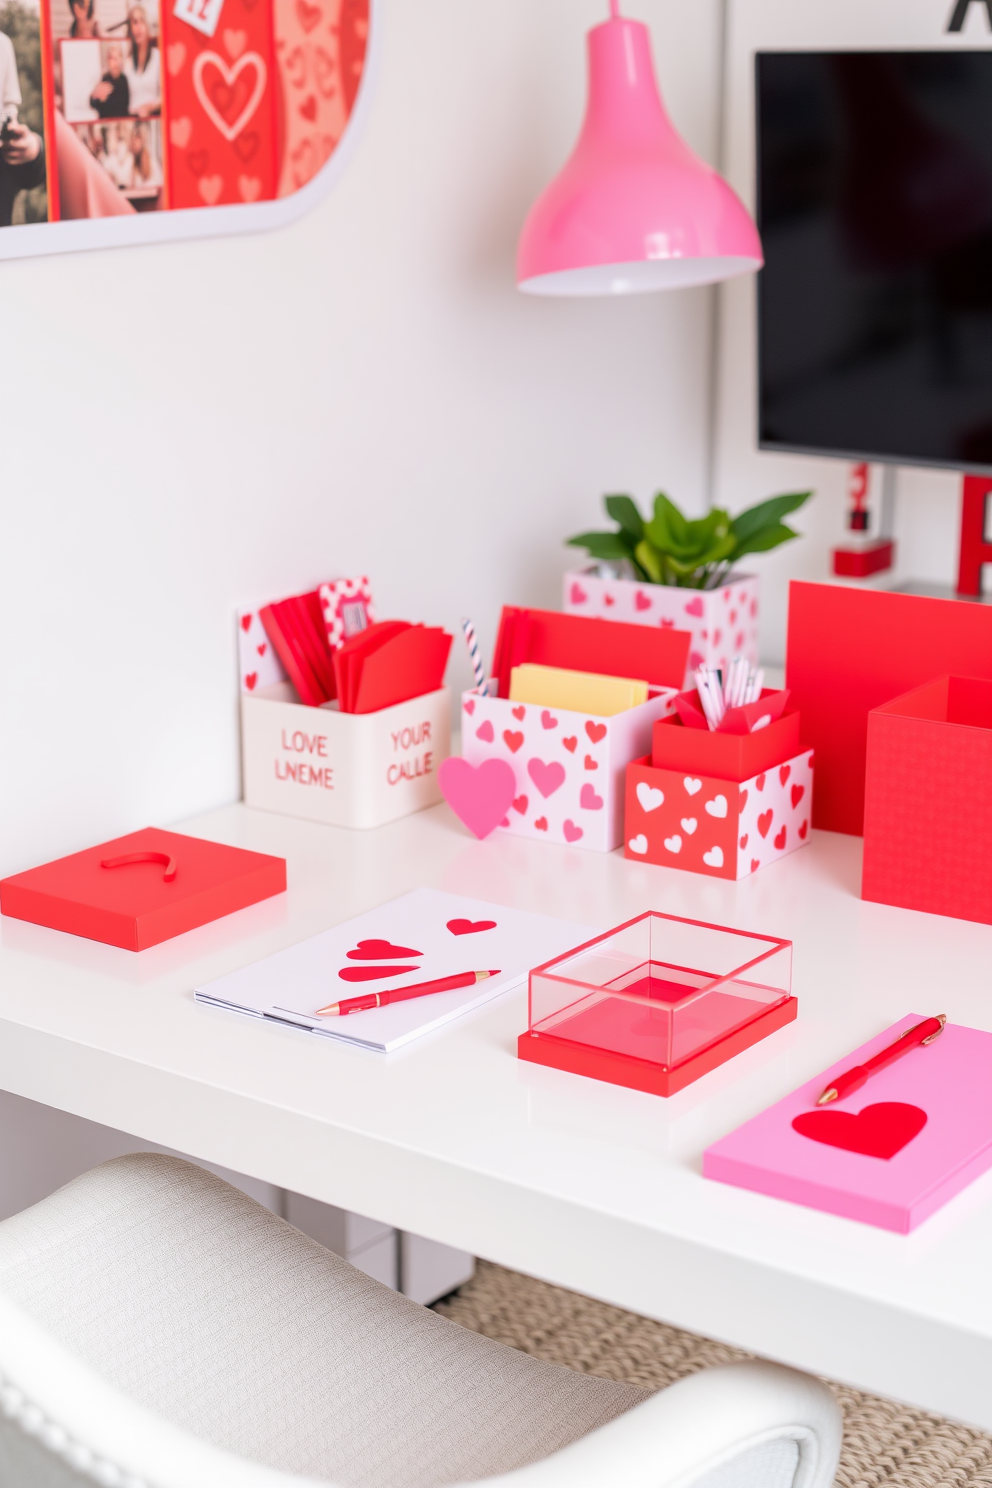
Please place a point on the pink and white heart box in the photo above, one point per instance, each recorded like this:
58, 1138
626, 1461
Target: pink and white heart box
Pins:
725, 828
344, 769
569, 767
723, 622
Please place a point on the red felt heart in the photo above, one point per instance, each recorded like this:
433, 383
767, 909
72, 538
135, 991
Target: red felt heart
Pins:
512, 740
880, 1130
596, 731
470, 927
765, 821
380, 950
371, 973
570, 744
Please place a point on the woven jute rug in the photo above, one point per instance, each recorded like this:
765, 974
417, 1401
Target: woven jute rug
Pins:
884, 1443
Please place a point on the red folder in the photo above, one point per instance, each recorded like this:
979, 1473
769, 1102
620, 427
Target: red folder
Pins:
143, 888
579, 644
851, 650
388, 663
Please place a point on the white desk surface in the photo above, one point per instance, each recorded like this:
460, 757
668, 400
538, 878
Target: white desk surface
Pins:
587, 1185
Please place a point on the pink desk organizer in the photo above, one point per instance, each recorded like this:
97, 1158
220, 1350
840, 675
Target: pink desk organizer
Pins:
569, 767
717, 803
658, 1002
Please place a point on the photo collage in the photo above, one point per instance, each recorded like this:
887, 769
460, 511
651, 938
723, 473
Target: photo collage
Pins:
111, 107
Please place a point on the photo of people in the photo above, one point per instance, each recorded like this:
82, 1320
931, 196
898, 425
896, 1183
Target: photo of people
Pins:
108, 87
23, 194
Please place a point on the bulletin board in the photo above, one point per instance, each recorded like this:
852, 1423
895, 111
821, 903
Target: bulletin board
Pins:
127, 121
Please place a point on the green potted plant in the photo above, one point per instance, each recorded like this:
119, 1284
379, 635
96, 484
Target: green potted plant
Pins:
669, 569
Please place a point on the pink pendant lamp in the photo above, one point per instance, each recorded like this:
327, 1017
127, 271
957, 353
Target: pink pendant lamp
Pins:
633, 209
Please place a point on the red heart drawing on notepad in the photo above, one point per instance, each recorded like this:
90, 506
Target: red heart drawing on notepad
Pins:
479, 797
880, 1130
470, 927
380, 950
372, 973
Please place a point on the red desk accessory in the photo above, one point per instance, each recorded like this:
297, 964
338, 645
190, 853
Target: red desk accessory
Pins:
719, 803
928, 801
388, 663
582, 645
851, 650
657, 1002
139, 890
858, 1075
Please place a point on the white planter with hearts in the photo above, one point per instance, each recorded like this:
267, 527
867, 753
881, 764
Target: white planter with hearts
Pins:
569, 767
344, 769
723, 622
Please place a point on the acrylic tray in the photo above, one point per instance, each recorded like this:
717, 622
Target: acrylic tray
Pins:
658, 1002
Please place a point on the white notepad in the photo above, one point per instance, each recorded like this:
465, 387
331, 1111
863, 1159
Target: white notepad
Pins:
439, 935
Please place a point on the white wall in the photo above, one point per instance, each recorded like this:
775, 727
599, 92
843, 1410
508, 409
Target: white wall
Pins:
187, 427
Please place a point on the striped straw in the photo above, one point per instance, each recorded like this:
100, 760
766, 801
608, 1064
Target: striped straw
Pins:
473, 651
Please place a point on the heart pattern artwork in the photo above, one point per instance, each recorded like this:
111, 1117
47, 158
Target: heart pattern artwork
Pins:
722, 622
259, 101
568, 768
715, 826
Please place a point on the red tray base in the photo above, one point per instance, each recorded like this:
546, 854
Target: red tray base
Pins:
643, 1074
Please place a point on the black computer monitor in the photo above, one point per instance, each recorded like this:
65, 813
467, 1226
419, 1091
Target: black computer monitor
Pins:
874, 189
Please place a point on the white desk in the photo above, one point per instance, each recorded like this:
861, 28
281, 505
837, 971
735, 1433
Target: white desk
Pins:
589, 1186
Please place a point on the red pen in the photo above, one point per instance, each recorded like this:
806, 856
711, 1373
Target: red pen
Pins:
403, 994
853, 1079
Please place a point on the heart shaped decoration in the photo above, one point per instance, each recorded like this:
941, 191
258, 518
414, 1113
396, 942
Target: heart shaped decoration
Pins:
548, 720
219, 96
717, 807
380, 950
641, 600
589, 800
577, 595
372, 973
688, 825
713, 858
470, 927
547, 777
638, 844
649, 796
765, 821
880, 1130
692, 785
520, 804
780, 840
674, 844
590, 763
479, 797
513, 739
519, 713
570, 744
596, 731
798, 791
571, 831
695, 607
485, 731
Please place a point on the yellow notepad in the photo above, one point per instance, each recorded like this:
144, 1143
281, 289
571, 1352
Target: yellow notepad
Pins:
582, 692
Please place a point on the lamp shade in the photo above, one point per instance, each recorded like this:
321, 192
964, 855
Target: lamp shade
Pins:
633, 209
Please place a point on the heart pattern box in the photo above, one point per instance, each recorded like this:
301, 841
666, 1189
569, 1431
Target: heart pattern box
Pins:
888, 1154
569, 767
723, 623
726, 828
344, 769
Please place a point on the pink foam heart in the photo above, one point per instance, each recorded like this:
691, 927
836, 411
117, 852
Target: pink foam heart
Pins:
546, 777
479, 796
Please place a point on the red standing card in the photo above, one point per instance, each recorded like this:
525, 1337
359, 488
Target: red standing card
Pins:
609, 647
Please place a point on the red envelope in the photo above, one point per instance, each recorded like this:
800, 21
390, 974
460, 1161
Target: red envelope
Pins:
139, 890
388, 663
579, 644
296, 629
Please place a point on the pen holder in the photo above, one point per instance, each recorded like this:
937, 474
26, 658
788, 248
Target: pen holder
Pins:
657, 1002
344, 769
720, 804
569, 767
928, 805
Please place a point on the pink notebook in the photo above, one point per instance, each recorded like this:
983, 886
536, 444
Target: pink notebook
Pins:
912, 1137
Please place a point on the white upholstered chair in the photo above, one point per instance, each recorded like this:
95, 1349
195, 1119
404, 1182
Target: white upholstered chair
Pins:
158, 1329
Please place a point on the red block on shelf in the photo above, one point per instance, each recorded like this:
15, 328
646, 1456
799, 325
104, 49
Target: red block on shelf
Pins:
139, 890
928, 800
863, 561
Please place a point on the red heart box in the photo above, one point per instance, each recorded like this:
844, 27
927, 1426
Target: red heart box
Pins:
880, 1130
380, 950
